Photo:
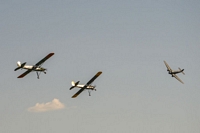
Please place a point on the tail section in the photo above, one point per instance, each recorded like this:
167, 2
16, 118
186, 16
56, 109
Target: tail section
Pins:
74, 84
181, 70
19, 64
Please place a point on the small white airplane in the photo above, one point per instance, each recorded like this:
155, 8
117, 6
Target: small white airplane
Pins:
37, 67
87, 86
173, 73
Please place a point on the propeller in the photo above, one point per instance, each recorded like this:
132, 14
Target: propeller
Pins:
45, 70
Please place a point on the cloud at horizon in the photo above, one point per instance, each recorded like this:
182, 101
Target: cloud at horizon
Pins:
55, 104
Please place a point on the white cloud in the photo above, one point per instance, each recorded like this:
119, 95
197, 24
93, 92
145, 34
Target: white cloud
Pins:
55, 104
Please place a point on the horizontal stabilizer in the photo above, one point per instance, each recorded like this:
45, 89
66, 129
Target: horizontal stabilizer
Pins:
77, 83
182, 71
17, 68
23, 64
71, 87
74, 84
20, 65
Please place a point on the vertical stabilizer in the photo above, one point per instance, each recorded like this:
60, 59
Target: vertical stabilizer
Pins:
73, 83
19, 64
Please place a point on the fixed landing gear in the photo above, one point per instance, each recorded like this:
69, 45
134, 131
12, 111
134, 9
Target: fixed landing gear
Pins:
89, 93
39, 72
38, 76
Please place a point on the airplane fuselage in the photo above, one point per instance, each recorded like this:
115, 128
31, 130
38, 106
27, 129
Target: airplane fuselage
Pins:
33, 68
89, 87
175, 72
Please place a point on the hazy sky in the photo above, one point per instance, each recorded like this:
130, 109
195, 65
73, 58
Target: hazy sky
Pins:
126, 40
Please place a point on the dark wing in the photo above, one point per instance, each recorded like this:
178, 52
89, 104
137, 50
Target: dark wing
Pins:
77, 93
178, 78
44, 59
91, 80
168, 68
25, 73
88, 83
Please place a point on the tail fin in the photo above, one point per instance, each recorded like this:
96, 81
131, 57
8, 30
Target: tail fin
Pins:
19, 64
73, 83
181, 70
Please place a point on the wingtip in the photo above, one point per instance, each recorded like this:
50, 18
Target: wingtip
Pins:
99, 73
73, 96
51, 54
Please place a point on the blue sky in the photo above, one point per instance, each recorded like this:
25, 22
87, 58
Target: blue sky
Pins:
126, 40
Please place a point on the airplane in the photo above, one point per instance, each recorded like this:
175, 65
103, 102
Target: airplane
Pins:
173, 73
37, 67
87, 86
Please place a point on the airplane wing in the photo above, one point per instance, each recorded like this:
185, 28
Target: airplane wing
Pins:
82, 89
44, 59
25, 73
95, 76
177, 78
88, 83
168, 68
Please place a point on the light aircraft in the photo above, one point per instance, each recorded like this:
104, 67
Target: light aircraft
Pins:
173, 73
87, 86
37, 67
